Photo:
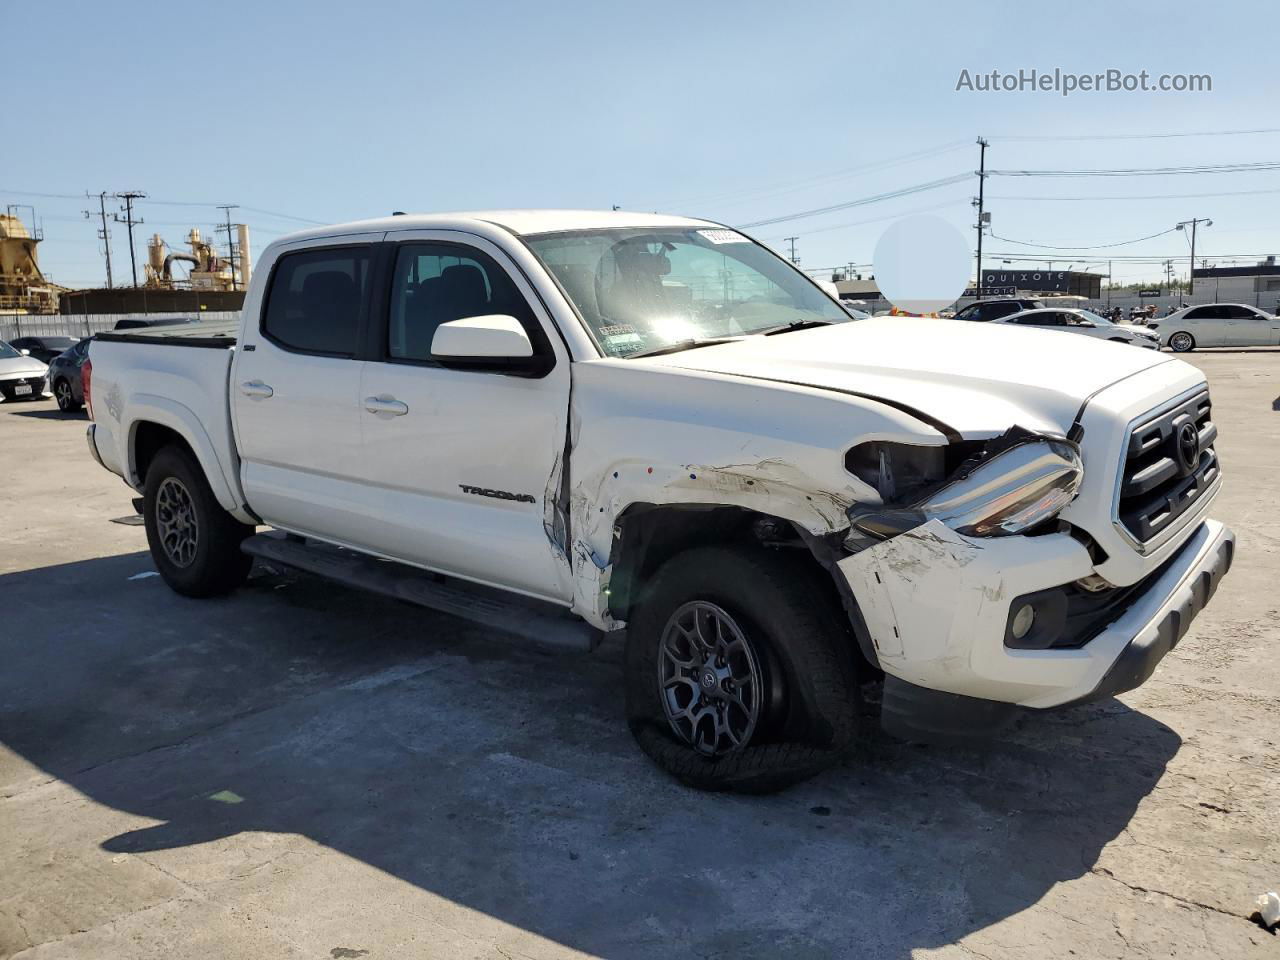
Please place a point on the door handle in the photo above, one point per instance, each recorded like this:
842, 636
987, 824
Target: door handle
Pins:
256, 389
385, 406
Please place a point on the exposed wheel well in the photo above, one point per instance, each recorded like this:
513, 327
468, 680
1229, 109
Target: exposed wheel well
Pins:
148, 440
647, 535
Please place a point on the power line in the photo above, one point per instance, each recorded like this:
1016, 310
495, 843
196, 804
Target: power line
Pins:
1144, 171
791, 186
889, 216
1153, 196
166, 203
1096, 246
1138, 136
891, 195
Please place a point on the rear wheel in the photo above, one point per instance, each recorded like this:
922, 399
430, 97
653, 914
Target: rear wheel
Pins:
195, 544
67, 402
1182, 342
740, 672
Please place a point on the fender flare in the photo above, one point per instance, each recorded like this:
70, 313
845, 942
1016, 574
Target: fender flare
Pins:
182, 420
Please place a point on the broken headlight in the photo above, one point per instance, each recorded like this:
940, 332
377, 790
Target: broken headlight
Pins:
1022, 481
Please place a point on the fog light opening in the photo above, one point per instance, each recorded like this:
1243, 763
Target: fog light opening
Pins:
1023, 621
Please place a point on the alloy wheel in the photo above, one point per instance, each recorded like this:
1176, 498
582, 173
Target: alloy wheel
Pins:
63, 392
709, 679
176, 522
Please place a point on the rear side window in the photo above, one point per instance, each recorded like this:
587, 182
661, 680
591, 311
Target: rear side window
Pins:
316, 298
436, 283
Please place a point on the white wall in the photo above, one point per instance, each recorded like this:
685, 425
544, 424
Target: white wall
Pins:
83, 325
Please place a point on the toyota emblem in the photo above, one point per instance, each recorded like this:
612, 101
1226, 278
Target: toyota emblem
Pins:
1188, 448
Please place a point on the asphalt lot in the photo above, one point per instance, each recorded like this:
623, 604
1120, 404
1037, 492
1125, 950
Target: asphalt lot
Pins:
300, 770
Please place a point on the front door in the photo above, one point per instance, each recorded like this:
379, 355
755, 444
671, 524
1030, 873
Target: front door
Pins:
295, 390
463, 466
1248, 328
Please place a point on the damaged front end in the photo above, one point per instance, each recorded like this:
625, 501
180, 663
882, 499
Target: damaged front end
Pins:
1011, 484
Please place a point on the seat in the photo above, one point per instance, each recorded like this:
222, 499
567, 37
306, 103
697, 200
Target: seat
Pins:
326, 317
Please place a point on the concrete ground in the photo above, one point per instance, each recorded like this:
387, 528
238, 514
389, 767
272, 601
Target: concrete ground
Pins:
300, 770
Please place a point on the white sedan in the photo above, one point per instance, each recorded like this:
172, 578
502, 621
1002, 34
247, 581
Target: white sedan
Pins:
22, 377
1217, 325
1085, 322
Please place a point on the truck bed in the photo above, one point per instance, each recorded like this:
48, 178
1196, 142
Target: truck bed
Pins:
219, 334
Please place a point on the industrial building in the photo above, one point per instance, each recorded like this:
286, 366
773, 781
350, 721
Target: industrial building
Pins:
1257, 284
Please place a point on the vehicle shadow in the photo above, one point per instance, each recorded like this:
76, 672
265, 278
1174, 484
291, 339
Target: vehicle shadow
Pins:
54, 414
503, 779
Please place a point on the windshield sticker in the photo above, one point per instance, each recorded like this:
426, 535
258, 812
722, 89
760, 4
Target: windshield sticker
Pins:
722, 236
619, 338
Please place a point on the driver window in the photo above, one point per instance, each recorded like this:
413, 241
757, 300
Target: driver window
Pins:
436, 283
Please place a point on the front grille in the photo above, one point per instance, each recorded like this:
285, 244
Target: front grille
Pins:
1165, 469
9, 387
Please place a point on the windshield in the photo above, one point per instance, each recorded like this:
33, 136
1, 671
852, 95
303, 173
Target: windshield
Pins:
1094, 318
7, 352
644, 288
58, 343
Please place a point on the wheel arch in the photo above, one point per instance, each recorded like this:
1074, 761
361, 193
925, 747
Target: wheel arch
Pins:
155, 422
647, 535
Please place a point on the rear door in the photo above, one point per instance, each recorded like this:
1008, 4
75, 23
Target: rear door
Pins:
295, 389
1207, 324
462, 467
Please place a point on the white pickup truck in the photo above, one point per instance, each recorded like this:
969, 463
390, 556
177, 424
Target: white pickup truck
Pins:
565, 423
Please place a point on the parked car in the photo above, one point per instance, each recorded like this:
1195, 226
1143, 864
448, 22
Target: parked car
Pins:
139, 323
986, 310
1084, 322
43, 349
64, 376
1217, 325
22, 377
540, 429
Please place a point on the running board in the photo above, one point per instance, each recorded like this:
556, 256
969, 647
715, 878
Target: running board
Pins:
541, 623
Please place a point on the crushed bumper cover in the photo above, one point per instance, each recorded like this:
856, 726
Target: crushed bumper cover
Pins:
936, 605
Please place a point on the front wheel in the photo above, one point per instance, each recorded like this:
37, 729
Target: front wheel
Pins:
740, 672
195, 544
1182, 342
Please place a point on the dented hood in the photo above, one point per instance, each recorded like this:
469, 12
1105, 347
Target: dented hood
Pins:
971, 379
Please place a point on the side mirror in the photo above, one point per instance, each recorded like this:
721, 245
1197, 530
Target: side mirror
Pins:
495, 343
25, 352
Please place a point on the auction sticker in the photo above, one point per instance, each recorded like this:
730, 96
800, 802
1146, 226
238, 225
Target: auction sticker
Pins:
620, 338
723, 236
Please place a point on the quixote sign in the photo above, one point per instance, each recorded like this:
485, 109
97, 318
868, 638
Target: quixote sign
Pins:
1027, 279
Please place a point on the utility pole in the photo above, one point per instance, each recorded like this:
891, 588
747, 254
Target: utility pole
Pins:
1191, 277
231, 249
792, 241
1110, 284
982, 215
128, 197
103, 234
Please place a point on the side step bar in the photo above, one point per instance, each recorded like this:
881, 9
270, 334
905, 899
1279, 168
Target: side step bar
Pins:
533, 620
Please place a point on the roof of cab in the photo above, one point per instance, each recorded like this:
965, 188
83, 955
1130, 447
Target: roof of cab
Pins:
522, 222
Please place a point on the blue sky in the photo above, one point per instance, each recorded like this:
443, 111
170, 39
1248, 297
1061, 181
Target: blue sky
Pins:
735, 111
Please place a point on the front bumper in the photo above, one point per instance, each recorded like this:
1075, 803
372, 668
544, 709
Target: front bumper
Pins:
33, 387
937, 604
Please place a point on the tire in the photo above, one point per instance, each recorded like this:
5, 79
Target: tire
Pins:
1182, 342
177, 498
66, 398
809, 703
